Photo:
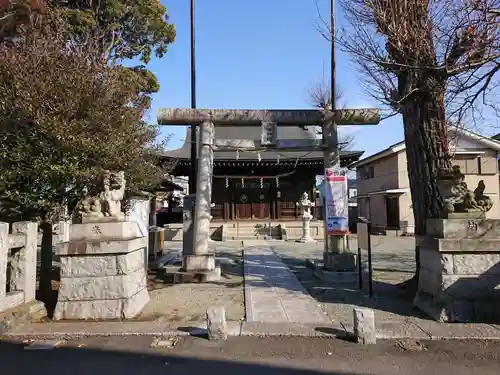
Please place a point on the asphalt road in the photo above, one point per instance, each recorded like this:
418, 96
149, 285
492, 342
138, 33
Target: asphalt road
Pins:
245, 355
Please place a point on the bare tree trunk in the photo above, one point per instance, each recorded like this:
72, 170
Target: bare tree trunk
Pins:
427, 152
45, 286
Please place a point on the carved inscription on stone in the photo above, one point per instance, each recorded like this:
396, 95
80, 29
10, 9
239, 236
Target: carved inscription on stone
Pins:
472, 226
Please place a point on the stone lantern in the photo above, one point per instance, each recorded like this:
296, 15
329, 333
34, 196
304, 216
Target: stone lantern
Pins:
305, 213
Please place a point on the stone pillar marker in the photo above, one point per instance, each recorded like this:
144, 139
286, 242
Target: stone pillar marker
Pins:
25, 277
22, 266
364, 326
4, 253
305, 214
216, 323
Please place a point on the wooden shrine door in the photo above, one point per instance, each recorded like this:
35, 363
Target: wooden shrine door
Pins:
252, 201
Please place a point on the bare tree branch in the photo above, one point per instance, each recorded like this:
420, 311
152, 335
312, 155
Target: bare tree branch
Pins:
320, 97
434, 62
465, 36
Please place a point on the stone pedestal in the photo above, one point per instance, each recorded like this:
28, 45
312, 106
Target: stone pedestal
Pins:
460, 270
103, 274
337, 258
306, 230
343, 262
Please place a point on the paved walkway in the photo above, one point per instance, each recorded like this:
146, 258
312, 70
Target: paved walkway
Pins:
272, 292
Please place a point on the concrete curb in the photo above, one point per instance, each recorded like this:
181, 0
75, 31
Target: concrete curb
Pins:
387, 331
125, 329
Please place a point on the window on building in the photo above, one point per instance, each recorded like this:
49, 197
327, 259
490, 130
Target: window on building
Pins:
371, 171
486, 165
366, 173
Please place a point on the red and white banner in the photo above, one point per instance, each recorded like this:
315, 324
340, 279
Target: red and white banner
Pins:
336, 203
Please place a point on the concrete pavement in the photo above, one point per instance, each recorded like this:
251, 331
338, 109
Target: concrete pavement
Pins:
272, 292
276, 356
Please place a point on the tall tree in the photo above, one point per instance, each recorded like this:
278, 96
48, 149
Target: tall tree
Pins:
127, 28
65, 117
434, 62
123, 29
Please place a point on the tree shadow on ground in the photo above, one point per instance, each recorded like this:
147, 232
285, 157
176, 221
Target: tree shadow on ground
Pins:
387, 297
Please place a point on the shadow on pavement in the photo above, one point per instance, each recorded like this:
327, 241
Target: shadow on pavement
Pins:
387, 297
94, 361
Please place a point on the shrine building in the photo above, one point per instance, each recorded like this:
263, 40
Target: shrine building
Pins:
260, 186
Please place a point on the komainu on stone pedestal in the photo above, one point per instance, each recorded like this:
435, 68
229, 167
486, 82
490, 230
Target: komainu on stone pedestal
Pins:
457, 196
103, 266
106, 203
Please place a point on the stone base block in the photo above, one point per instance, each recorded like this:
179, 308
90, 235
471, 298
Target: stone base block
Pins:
335, 276
463, 228
25, 313
98, 231
106, 246
459, 310
102, 265
459, 279
176, 275
101, 287
307, 240
340, 262
125, 308
195, 262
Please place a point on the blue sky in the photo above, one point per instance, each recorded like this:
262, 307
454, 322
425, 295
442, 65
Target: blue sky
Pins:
258, 54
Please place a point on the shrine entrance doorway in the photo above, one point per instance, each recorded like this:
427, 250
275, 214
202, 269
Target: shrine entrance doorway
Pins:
253, 200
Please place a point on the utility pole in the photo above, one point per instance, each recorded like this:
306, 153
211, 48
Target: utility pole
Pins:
335, 257
330, 136
194, 148
333, 79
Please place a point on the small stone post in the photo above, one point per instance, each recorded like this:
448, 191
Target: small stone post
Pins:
25, 278
364, 326
305, 213
139, 212
216, 323
188, 224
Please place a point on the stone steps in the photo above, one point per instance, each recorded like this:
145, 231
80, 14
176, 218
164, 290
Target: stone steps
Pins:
240, 236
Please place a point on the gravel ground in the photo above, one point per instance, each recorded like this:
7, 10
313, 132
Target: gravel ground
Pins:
187, 303
297, 356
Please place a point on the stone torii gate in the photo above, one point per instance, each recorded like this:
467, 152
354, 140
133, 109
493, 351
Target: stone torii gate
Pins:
196, 256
